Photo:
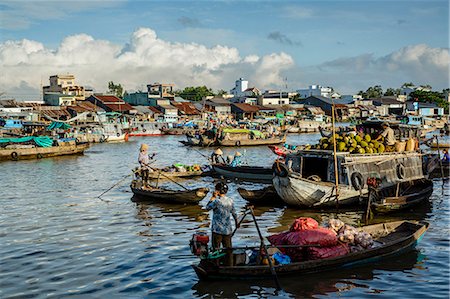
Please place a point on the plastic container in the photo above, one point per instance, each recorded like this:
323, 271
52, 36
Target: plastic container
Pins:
400, 146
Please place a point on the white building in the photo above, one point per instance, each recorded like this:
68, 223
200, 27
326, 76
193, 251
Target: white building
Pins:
315, 90
274, 98
240, 86
64, 88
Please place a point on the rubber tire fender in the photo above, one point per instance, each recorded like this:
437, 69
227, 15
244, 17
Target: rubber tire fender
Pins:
238, 143
280, 169
14, 156
144, 130
39, 156
357, 181
400, 170
118, 134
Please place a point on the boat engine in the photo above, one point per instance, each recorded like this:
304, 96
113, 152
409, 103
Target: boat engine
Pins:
199, 244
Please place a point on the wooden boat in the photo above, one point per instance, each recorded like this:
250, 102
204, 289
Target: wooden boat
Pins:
28, 152
245, 140
434, 145
391, 239
309, 181
267, 195
437, 173
146, 129
246, 173
401, 196
160, 194
176, 174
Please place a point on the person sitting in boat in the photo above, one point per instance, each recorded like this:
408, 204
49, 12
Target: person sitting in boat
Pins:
236, 160
389, 137
217, 156
144, 162
446, 157
221, 228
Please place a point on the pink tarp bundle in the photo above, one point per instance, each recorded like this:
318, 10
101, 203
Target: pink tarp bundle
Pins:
304, 223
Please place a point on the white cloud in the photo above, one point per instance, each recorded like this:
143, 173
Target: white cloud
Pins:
298, 12
145, 59
420, 64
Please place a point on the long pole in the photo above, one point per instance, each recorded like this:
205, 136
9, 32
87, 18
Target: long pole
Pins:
440, 161
272, 269
336, 175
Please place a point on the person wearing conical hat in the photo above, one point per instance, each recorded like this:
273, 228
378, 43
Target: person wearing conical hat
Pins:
236, 160
217, 157
144, 162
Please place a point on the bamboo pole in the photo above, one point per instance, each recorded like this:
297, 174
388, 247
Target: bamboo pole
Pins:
440, 161
336, 175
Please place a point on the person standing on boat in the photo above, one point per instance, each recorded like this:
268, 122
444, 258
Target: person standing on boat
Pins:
221, 228
144, 162
236, 160
446, 157
217, 157
389, 137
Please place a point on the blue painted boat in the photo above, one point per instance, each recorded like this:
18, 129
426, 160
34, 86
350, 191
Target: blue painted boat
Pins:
390, 239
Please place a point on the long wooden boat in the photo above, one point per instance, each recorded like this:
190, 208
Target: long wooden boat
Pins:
391, 239
405, 195
264, 196
437, 173
164, 195
176, 174
29, 153
246, 173
434, 145
252, 142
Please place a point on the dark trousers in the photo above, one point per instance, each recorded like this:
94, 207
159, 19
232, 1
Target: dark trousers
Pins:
225, 241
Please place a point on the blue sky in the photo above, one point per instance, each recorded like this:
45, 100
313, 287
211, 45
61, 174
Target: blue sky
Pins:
324, 40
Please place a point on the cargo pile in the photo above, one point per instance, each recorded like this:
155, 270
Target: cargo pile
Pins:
184, 168
316, 242
355, 144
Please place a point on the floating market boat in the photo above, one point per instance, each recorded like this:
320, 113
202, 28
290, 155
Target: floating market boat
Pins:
32, 147
165, 195
245, 137
264, 196
390, 239
246, 173
402, 196
139, 129
434, 145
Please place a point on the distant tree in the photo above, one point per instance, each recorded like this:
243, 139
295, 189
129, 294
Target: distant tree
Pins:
392, 92
195, 93
407, 84
221, 92
374, 92
117, 90
430, 97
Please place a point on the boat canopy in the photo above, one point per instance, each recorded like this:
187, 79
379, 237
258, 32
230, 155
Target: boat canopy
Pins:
58, 125
42, 141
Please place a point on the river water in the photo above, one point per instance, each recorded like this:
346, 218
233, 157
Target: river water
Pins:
58, 240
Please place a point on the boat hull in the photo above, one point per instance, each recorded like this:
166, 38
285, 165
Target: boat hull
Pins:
42, 152
396, 238
265, 196
245, 173
252, 142
169, 196
165, 175
297, 191
387, 202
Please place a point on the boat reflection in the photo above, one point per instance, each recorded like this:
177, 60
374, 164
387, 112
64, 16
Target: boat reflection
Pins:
310, 285
145, 210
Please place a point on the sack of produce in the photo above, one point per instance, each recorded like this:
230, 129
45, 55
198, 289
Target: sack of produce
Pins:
278, 239
303, 223
318, 236
347, 234
315, 253
335, 224
363, 239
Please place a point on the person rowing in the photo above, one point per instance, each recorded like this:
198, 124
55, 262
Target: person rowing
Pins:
217, 157
221, 227
144, 162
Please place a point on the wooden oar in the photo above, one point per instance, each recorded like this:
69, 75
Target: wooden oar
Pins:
272, 269
239, 223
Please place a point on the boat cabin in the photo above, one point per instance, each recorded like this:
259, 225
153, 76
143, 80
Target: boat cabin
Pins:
318, 165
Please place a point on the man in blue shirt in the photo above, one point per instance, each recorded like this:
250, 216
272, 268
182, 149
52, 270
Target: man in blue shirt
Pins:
223, 208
